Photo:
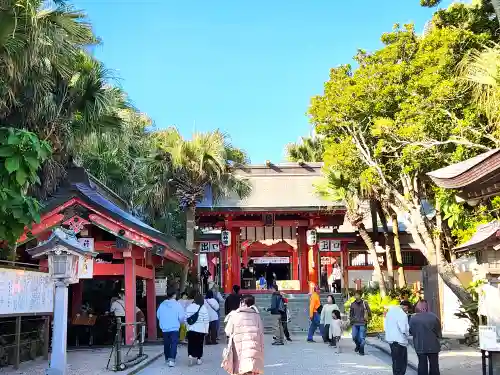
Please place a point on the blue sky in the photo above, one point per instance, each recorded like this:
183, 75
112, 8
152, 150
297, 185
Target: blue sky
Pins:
248, 68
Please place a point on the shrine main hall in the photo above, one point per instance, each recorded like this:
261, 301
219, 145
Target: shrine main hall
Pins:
269, 229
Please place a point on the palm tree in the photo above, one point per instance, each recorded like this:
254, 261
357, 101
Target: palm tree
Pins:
481, 70
335, 187
308, 149
48, 82
189, 169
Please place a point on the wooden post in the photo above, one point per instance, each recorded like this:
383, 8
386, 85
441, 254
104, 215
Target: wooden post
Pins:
295, 264
17, 347
130, 299
345, 264
312, 263
46, 338
235, 259
303, 272
151, 307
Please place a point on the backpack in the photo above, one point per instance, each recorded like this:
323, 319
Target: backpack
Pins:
193, 318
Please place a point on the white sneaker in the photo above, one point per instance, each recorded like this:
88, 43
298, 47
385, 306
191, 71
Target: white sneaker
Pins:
199, 362
191, 360
171, 364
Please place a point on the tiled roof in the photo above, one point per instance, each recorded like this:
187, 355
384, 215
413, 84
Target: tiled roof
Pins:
483, 233
461, 174
282, 186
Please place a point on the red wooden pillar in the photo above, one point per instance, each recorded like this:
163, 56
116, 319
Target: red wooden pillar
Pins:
345, 264
130, 299
313, 266
303, 277
76, 298
226, 269
295, 264
235, 257
151, 307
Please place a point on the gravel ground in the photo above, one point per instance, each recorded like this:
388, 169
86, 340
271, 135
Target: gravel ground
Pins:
295, 358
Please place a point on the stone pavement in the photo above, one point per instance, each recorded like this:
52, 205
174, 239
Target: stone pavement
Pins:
463, 361
86, 362
295, 358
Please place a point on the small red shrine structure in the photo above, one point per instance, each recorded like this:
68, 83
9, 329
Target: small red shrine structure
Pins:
128, 249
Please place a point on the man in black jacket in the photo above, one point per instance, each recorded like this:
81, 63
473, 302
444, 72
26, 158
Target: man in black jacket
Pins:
233, 300
277, 309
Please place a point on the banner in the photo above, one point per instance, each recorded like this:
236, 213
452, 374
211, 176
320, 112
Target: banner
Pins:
86, 263
209, 247
271, 260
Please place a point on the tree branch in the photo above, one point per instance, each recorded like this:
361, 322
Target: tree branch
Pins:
435, 143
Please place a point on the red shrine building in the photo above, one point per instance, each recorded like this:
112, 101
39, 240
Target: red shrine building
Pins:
128, 250
270, 227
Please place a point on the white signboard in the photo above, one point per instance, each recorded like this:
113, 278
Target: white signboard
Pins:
272, 260
330, 245
488, 339
209, 247
161, 287
86, 263
335, 245
324, 245
25, 292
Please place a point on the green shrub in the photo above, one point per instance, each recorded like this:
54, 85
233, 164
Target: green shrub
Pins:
379, 305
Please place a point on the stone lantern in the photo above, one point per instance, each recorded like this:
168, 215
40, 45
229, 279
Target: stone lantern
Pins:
63, 252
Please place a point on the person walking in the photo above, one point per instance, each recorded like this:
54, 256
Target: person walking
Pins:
170, 314
198, 321
213, 317
337, 278
220, 299
359, 316
327, 316
277, 309
245, 352
425, 327
285, 317
397, 332
233, 300
314, 314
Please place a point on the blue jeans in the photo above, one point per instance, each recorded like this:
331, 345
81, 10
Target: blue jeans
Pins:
170, 341
359, 335
313, 326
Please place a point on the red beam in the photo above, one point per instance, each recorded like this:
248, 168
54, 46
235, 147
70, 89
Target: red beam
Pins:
383, 268
44, 225
108, 269
115, 228
292, 223
170, 254
105, 246
145, 273
244, 223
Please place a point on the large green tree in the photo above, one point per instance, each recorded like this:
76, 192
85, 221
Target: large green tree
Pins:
308, 149
49, 84
403, 112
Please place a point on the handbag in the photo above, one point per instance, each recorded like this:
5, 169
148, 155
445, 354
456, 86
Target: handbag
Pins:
193, 318
228, 357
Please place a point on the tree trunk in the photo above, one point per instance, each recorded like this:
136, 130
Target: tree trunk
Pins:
388, 254
445, 270
373, 253
190, 228
397, 249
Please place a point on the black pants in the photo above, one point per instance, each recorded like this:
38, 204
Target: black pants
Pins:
326, 333
285, 329
211, 338
428, 364
195, 344
399, 354
337, 286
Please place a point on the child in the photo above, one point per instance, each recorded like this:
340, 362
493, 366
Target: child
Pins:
335, 330
262, 282
185, 302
